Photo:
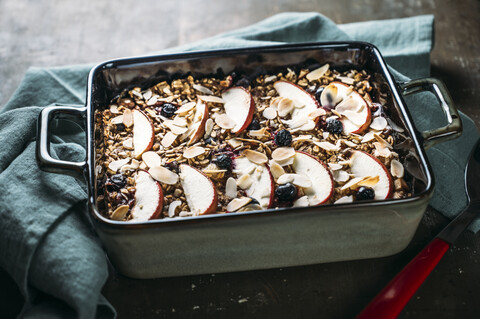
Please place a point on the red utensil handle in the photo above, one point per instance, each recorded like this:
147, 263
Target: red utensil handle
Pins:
393, 298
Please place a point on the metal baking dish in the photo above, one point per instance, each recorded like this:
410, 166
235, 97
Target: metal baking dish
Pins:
254, 240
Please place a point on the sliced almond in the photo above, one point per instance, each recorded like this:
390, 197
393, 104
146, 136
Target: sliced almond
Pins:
225, 122
286, 178
296, 122
353, 183
270, 78
325, 135
115, 165
256, 157
317, 73
381, 150
382, 141
349, 143
231, 188
379, 123
301, 202
263, 132
238, 203
335, 166
173, 207
285, 162
327, 146
208, 127
151, 159
283, 153
269, 113
245, 181
185, 109
369, 182
285, 106
211, 98
346, 80
234, 142
193, 151
147, 95
117, 120
128, 118
114, 109
120, 212
128, 143
202, 89
341, 176
302, 138
142, 165
302, 180
344, 200
276, 170
396, 168
168, 139
316, 113
370, 136
180, 121
163, 175
356, 118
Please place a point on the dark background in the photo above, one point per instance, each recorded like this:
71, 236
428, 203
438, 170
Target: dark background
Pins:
54, 33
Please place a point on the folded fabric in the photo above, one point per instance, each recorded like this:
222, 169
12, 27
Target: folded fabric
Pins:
46, 244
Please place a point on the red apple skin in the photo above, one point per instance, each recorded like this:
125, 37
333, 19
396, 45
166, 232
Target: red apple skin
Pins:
369, 113
213, 206
308, 94
272, 187
250, 110
329, 174
390, 182
201, 128
159, 209
152, 139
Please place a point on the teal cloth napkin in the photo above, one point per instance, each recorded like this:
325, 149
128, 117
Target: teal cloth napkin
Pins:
46, 244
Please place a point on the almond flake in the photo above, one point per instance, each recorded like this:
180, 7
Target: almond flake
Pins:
270, 78
234, 142
353, 183
151, 159
370, 136
344, 200
316, 113
317, 73
168, 139
356, 118
286, 178
325, 135
208, 127
245, 181
193, 151
349, 143
147, 95
184, 109
114, 109
346, 80
348, 104
381, 150
301, 180
327, 146
115, 165
142, 166
201, 88
341, 176
231, 188
297, 122
396, 168
117, 120
120, 212
301, 202
276, 170
263, 132
379, 123
285, 162
211, 98
256, 157
369, 181
302, 138
152, 100
180, 121
128, 143
269, 113
225, 122
173, 207
283, 153
382, 141
163, 175
238, 203
335, 166
285, 106
177, 130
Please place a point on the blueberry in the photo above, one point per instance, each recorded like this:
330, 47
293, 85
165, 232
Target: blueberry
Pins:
244, 82
120, 127
283, 138
334, 126
224, 161
286, 192
365, 193
115, 182
254, 125
168, 110
318, 93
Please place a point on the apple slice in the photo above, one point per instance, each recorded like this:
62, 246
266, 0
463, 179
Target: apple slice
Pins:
239, 106
199, 120
305, 104
322, 180
143, 133
148, 198
363, 164
199, 190
258, 179
353, 108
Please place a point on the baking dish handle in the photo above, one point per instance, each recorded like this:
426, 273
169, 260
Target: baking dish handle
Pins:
45, 161
454, 127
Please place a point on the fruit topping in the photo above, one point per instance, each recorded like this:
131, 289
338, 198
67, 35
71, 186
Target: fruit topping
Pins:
365, 193
283, 138
286, 192
334, 126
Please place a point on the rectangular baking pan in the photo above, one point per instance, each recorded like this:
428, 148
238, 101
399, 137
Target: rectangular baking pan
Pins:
253, 240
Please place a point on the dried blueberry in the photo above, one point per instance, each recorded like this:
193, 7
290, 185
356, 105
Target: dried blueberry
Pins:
168, 110
286, 192
318, 93
334, 126
283, 138
254, 125
223, 161
244, 82
365, 193
115, 182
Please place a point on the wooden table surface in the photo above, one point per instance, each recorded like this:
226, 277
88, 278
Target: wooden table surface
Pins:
50, 33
